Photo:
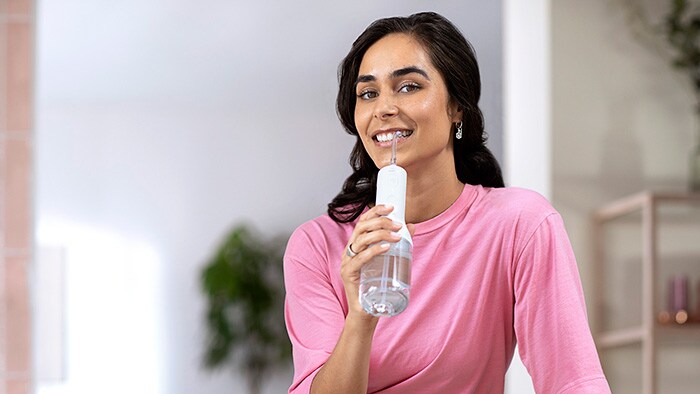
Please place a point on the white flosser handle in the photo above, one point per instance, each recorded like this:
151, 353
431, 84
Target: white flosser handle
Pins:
391, 190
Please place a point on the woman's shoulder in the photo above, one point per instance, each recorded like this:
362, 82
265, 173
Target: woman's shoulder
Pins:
515, 202
318, 231
319, 225
514, 212
518, 197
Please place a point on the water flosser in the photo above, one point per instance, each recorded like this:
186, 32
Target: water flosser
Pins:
385, 281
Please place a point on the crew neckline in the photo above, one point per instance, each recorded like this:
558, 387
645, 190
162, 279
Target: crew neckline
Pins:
465, 199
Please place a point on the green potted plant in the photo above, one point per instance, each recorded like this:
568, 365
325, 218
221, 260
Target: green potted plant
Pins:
244, 288
682, 31
675, 36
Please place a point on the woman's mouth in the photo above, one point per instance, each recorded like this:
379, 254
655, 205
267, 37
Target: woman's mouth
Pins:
385, 138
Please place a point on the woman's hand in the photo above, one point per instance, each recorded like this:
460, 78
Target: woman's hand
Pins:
372, 228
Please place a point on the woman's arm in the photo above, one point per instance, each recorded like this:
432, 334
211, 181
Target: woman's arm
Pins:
347, 369
312, 325
551, 327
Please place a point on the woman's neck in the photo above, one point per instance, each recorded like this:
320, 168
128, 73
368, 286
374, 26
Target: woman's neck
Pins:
431, 191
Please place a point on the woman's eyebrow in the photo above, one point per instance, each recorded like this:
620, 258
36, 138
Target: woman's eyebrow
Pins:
395, 74
365, 78
409, 70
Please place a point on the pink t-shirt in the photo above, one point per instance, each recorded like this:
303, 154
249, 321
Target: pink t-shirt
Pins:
496, 266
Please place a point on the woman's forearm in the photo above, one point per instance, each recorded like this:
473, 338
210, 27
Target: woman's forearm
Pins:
347, 368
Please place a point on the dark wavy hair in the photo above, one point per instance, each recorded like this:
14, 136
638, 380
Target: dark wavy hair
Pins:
454, 58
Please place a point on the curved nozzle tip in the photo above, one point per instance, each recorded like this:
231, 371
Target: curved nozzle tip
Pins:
394, 141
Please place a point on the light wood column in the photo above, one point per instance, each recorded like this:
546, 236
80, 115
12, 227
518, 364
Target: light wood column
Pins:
16, 180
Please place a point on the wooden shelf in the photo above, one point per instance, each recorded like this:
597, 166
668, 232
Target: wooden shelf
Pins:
637, 202
649, 334
665, 333
620, 337
679, 333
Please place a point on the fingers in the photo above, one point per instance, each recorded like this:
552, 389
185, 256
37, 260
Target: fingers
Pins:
365, 240
376, 224
373, 227
375, 211
371, 236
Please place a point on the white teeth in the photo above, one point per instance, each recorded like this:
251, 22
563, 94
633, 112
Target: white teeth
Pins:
384, 137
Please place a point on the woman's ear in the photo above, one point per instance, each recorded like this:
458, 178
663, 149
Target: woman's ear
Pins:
455, 111
457, 115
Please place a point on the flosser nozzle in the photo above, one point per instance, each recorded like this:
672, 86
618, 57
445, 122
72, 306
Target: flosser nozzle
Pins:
394, 141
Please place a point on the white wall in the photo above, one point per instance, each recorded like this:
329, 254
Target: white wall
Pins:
526, 114
527, 91
160, 124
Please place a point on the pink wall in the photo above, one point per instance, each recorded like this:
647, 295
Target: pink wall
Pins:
16, 114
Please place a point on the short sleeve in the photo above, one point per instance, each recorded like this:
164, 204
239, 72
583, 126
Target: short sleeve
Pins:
314, 313
551, 326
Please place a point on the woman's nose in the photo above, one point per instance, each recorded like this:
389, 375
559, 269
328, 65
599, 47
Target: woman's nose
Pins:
386, 107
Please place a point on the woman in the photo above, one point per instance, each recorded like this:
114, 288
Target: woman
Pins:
491, 265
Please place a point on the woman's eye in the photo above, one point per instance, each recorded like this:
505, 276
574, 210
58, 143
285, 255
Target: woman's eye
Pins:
409, 87
368, 94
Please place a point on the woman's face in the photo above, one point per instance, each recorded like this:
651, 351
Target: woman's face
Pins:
399, 89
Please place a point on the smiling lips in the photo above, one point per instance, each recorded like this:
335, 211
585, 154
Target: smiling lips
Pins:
388, 136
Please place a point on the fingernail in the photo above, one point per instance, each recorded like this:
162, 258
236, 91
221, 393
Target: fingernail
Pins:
388, 206
395, 234
384, 246
397, 224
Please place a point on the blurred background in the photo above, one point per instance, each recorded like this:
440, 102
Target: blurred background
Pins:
135, 135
